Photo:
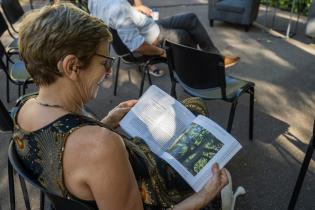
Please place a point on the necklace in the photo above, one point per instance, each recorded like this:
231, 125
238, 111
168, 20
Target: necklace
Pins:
49, 105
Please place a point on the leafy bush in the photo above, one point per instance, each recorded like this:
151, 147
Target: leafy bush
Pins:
300, 5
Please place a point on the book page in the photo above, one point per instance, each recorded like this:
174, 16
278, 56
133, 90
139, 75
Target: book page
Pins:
194, 152
157, 118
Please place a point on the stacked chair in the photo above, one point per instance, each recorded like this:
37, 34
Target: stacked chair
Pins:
15, 71
13, 67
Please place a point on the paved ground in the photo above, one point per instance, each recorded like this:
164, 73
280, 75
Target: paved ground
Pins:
284, 111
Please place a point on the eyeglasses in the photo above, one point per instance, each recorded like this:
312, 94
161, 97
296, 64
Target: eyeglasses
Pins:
108, 63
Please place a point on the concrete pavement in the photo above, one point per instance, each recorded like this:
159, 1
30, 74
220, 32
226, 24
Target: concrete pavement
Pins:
284, 109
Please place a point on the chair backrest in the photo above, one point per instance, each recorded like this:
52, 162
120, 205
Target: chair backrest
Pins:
3, 52
118, 45
6, 122
120, 48
12, 10
3, 24
195, 68
58, 202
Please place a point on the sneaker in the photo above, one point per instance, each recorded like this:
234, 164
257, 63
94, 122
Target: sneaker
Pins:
230, 61
156, 72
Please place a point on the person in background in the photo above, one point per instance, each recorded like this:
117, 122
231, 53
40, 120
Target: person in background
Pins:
141, 34
78, 157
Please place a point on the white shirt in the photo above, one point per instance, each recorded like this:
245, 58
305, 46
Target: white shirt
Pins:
132, 26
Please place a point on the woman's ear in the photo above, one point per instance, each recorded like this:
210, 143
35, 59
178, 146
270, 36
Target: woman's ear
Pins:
70, 66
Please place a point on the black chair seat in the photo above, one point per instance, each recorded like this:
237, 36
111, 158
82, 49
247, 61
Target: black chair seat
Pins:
234, 87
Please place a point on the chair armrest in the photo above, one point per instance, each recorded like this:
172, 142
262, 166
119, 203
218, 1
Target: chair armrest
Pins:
251, 10
211, 7
213, 2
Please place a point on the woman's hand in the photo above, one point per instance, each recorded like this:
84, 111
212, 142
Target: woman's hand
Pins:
201, 199
218, 180
145, 10
115, 115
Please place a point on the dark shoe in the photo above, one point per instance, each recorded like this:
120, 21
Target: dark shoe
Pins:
156, 72
230, 61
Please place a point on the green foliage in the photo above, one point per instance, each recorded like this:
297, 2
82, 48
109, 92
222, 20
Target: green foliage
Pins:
300, 5
195, 147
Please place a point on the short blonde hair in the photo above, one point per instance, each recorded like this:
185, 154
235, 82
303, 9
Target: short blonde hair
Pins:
49, 34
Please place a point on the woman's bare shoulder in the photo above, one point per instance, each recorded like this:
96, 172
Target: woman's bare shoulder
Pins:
97, 140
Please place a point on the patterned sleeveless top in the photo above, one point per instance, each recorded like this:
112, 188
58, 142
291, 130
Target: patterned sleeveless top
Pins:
41, 152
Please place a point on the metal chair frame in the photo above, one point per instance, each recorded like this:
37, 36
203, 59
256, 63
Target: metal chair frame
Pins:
5, 66
303, 170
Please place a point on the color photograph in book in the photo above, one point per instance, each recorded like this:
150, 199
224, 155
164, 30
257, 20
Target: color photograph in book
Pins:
195, 148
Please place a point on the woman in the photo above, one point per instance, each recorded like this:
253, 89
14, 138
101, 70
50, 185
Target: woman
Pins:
66, 53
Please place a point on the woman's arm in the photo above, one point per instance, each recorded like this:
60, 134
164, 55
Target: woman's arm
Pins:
96, 167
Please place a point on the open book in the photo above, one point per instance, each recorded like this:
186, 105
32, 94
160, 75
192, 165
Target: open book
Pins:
191, 145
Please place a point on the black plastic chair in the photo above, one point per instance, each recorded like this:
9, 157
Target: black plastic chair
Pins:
6, 125
6, 122
58, 203
127, 56
15, 71
202, 74
303, 170
13, 11
13, 46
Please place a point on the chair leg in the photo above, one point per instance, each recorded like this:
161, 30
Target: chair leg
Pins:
251, 112
19, 88
8, 90
149, 77
247, 28
173, 90
142, 80
211, 22
231, 117
42, 201
25, 193
31, 5
24, 87
116, 76
299, 182
11, 186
